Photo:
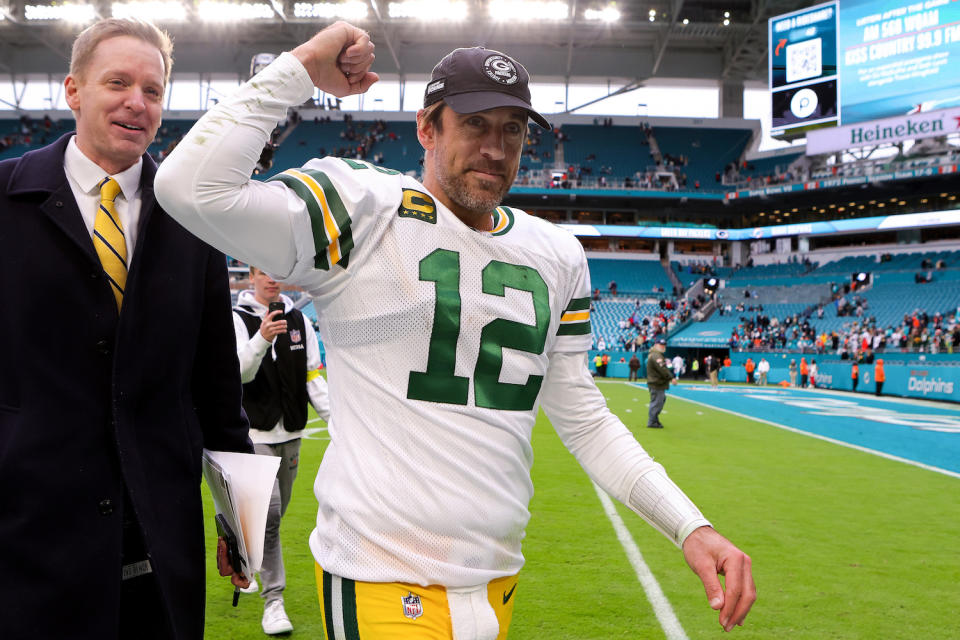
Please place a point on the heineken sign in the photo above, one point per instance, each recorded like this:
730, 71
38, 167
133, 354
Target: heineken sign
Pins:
889, 130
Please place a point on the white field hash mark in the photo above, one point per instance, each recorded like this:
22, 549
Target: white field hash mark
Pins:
661, 606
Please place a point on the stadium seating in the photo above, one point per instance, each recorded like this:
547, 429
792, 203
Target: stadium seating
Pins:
309, 139
707, 151
633, 277
170, 131
623, 149
760, 168
607, 316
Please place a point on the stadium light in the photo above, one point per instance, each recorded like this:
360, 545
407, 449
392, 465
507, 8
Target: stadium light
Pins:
211, 11
68, 12
428, 11
157, 11
607, 14
346, 10
527, 11
710, 286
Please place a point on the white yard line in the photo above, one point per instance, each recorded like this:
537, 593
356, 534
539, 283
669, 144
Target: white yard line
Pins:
661, 606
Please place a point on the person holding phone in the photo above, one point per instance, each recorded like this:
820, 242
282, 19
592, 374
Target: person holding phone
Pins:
279, 366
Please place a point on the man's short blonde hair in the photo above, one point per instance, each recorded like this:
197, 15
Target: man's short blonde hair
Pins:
432, 115
86, 43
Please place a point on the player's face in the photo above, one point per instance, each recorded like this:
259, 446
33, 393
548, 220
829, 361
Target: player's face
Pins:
117, 101
476, 156
265, 288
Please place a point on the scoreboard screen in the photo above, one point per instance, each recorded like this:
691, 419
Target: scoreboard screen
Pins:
850, 61
803, 70
898, 58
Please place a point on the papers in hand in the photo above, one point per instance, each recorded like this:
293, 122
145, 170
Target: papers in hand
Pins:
241, 484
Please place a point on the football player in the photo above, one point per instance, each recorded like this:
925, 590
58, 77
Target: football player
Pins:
448, 320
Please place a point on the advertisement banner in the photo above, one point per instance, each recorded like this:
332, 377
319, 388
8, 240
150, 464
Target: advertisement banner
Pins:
897, 57
888, 130
931, 382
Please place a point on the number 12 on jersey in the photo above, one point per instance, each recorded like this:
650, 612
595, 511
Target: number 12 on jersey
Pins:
439, 383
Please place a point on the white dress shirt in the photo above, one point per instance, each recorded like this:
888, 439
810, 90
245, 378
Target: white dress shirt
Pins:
84, 175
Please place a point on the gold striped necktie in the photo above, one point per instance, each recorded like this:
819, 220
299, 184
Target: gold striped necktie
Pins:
109, 240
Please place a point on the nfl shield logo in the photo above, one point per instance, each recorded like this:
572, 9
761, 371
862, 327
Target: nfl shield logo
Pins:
294, 336
411, 606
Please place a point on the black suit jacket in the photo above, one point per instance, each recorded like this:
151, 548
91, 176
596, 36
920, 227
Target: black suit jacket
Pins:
92, 401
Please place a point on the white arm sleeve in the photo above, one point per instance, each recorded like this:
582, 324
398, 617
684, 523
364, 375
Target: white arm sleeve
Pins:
609, 453
250, 351
205, 182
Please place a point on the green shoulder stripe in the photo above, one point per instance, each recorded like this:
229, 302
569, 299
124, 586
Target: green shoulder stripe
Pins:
315, 211
574, 329
339, 211
578, 304
504, 222
325, 225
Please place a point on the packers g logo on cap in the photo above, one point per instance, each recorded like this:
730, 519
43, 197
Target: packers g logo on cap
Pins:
501, 69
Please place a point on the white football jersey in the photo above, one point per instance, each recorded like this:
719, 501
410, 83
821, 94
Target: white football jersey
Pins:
437, 338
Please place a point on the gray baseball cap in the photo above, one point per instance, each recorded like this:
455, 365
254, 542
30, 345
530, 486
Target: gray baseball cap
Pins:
477, 79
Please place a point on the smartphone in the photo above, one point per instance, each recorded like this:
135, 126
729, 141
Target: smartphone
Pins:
276, 306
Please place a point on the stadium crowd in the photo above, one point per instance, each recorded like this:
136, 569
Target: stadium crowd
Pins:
918, 331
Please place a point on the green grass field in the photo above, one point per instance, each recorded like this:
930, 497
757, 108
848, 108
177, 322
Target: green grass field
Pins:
845, 544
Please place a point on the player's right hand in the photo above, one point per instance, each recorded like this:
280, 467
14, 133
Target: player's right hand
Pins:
710, 555
338, 59
270, 328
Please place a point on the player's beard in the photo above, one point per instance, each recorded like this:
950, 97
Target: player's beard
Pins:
482, 199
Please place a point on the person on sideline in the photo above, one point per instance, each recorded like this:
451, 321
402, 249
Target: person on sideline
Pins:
634, 367
713, 371
279, 358
813, 373
658, 381
678, 366
804, 372
854, 374
879, 376
102, 426
448, 321
750, 367
792, 369
763, 368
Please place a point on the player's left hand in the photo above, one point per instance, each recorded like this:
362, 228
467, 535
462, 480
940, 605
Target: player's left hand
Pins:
709, 554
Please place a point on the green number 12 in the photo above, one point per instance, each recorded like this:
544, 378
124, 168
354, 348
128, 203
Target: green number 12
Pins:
438, 383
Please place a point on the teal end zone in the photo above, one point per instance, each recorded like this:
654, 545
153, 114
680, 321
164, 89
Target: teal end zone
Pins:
917, 432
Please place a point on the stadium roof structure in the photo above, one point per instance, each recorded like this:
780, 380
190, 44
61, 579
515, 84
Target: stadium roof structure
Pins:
651, 39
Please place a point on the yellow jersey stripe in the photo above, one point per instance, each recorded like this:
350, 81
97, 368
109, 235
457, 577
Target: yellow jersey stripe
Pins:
500, 222
333, 233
